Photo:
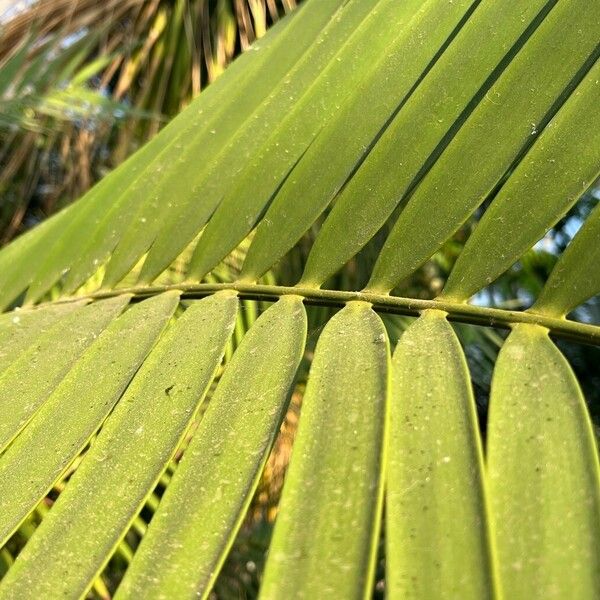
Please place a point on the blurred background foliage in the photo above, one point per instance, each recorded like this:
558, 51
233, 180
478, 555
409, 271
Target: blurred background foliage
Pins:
83, 84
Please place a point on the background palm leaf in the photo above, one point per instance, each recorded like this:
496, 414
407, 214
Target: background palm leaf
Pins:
98, 80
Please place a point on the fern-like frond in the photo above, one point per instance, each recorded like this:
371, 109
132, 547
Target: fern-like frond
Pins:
352, 120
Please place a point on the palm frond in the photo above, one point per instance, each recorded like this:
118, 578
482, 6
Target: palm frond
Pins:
354, 120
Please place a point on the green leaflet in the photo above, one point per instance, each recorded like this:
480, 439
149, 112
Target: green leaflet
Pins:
26, 384
336, 66
126, 460
437, 533
502, 126
20, 328
18, 258
196, 180
491, 137
413, 33
73, 248
273, 96
221, 467
327, 528
562, 164
544, 484
576, 277
64, 243
66, 421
